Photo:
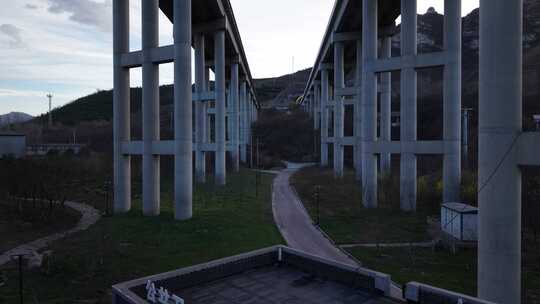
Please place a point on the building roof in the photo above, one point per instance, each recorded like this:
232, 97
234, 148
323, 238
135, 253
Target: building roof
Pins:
11, 133
461, 207
273, 275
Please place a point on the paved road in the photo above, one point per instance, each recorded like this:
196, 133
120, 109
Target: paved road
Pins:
89, 217
295, 224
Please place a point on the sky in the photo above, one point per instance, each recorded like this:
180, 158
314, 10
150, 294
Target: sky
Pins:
64, 47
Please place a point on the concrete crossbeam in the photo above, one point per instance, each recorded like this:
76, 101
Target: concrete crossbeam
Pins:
411, 61
528, 148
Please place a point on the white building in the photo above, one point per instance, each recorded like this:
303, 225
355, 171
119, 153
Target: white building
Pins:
12, 144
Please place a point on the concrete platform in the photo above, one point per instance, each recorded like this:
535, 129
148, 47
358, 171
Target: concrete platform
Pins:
273, 275
276, 284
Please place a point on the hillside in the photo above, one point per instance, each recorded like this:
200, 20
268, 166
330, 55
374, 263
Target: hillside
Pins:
14, 118
280, 91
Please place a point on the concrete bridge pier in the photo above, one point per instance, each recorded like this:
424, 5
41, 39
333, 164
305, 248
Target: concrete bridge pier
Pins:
219, 71
408, 181
452, 102
200, 108
357, 148
183, 145
317, 106
339, 108
324, 116
368, 109
500, 127
150, 109
121, 108
234, 118
243, 122
386, 106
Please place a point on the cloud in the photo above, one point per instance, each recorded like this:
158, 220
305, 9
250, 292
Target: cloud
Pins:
31, 6
87, 12
14, 35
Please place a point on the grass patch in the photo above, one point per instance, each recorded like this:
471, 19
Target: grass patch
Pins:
441, 268
343, 217
22, 221
227, 220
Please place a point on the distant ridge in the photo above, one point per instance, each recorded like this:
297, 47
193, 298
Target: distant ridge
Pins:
13, 118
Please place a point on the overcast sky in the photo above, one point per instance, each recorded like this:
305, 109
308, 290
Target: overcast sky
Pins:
65, 46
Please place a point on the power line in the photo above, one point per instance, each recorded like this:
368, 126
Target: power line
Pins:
500, 162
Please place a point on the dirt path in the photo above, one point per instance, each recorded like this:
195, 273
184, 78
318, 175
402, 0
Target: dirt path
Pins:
89, 217
295, 224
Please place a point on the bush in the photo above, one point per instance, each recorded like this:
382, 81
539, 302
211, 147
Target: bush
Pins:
285, 135
388, 191
469, 188
430, 188
47, 183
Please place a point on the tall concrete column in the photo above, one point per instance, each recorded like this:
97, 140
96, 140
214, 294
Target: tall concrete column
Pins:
249, 131
339, 110
324, 117
452, 102
150, 108
234, 118
219, 71
358, 75
368, 110
200, 108
500, 124
243, 122
183, 142
408, 105
316, 118
386, 106
206, 117
316, 107
121, 108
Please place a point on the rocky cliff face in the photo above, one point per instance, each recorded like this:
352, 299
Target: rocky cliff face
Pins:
431, 38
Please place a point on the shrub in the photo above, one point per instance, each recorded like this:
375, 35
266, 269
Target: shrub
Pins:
285, 135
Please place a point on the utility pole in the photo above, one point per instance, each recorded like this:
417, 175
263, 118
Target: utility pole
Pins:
465, 121
21, 287
50, 96
258, 151
317, 196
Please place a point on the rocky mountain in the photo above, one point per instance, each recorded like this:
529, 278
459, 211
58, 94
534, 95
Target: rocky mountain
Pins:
431, 38
279, 92
13, 118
